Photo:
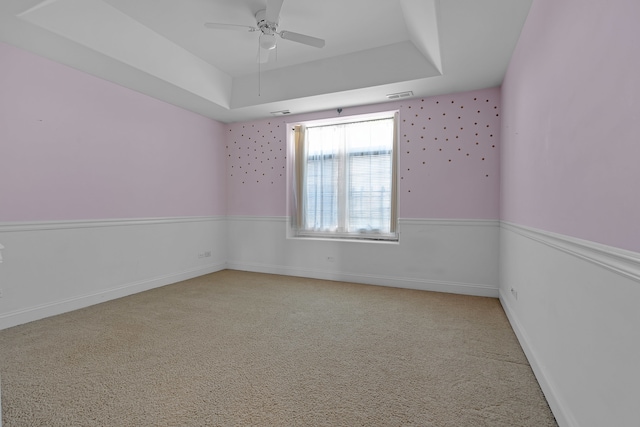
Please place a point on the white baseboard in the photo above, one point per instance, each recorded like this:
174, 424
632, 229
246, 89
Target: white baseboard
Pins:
573, 306
53, 267
456, 256
558, 407
42, 311
370, 279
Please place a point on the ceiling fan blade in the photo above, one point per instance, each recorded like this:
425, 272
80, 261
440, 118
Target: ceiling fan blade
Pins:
301, 38
273, 10
217, 26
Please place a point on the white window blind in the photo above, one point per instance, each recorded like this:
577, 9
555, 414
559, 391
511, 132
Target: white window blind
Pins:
345, 179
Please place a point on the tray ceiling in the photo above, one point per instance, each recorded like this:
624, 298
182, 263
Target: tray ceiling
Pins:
373, 48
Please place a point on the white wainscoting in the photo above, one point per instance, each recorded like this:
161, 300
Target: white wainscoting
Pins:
53, 267
575, 307
457, 256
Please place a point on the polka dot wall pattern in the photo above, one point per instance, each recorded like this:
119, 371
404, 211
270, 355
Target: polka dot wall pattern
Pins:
256, 167
449, 156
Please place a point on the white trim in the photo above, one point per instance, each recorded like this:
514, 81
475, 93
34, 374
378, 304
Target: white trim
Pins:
369, 279
560, 409
30, 314
409, 221
468, 254
619, 261
56, 225
346, 238
257, 217
6, 227
341, 120
451, 222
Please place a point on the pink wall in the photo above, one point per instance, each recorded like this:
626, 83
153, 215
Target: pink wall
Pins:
77, 147
449, 158
571, 123
74, 147
256, 168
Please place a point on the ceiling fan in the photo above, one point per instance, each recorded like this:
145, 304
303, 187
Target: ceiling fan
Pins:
267, 24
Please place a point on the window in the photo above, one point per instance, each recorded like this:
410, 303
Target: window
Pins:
343, 178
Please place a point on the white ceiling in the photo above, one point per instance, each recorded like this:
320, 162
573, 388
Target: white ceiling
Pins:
373, 48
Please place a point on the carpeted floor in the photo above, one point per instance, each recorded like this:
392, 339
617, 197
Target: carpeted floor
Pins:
247, 349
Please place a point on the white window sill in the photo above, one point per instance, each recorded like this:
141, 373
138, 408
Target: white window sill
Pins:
345, 239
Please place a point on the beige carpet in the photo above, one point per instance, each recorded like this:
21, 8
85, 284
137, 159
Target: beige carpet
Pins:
246, 349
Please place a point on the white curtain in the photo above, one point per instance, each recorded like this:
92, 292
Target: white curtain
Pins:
346, 177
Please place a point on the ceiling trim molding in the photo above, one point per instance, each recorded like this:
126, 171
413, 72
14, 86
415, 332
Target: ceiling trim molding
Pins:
422, 20
91, 23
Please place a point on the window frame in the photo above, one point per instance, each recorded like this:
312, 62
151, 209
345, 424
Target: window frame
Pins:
295, 169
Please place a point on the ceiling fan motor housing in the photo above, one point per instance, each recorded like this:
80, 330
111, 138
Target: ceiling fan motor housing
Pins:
265, 26
268, 29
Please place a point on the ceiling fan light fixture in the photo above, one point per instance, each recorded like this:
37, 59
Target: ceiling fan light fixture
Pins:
268, 41
267, 26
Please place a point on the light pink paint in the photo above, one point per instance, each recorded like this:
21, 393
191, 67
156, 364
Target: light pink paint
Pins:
571, 125
256, 168
73, 147
444, 173
77, 147
450, 156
